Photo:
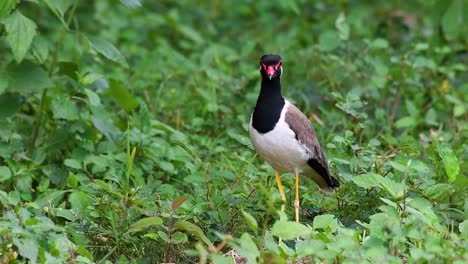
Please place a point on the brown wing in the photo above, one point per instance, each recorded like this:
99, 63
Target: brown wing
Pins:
305, 134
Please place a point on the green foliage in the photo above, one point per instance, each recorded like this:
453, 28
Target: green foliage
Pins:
123, 131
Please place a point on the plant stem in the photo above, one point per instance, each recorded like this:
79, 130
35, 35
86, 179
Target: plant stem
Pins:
50, 73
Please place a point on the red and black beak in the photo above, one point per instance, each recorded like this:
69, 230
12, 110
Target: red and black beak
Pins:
270, 71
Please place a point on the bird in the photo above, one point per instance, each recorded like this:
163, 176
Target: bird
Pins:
284, 137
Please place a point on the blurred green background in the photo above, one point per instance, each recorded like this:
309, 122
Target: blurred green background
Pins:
123, 131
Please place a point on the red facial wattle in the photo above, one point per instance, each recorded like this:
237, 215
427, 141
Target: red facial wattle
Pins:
271, 70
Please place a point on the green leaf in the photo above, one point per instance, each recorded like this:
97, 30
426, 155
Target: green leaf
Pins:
59, 8
450, 161
79, 200
437, 190
108, 50
6, 6
190, 33
329, 40
9, 104
37, 77
5, 173
131, 3
289, 230
93, 97
122, 95
64, 108
192, 229
454, 20
464, 228
89, 78
379, 44
407, 121
247, 248
178, 238
145, 223
103, 121
324, 221
367, 180
64, 213
250, 220
27, 248
72, 163
164, 237
39, 49
20, 33
395, 189
342, 26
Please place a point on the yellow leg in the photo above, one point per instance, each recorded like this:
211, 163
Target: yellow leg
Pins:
281, 191
296, 200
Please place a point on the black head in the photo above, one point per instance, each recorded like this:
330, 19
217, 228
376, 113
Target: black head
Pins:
270, 66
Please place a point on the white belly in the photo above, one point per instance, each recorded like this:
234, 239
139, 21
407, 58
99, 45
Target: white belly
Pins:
280, 148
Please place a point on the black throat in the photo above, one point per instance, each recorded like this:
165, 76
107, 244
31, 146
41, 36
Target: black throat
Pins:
269, 105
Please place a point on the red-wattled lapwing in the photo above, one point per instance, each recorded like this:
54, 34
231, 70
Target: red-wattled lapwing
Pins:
283, 136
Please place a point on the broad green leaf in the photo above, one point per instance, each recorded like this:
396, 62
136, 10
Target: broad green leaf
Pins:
455, 19
164, 237
178, 238
247, 248
131, 3
59, 8
93, 97
9, 104
73, 163
64, 108
289, 230
221, 259
65, 213
178, 202
27, 248
379, 44
79, 200
145, 223
108, 50
193, 230
40, 49
324, 221
329, 40
20, 33
407, 121
449, 159
5, 173
250, 220
89, 78
395, 189
37, 77
464, 228
367, 180
122, 95
103, 121
6, 6
310, 247
437, 190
